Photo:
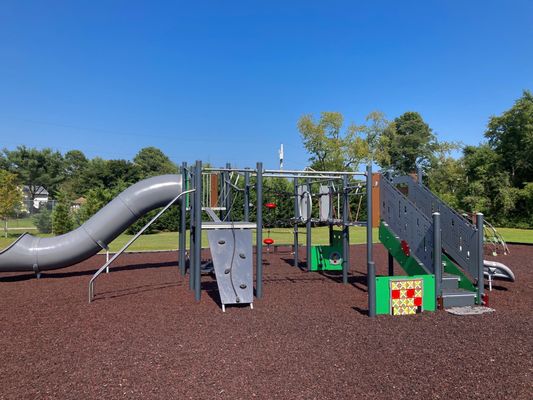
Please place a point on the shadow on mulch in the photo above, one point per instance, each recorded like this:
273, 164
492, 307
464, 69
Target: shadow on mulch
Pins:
111, 294
60, 275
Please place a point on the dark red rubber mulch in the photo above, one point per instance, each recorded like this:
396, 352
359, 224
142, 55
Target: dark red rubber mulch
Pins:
145, 337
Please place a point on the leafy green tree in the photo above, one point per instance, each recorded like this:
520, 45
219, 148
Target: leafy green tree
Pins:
510, 135
61, 218
43, 221
36, 168
100, 173
62, 221
152, 162
329, 147
376, 124
407, 140
10, 196
446, 179
75, 167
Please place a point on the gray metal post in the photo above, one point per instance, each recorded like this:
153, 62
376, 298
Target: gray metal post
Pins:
296, 217
345, 231
308, 229
198, 231
371, 268
192, 202
247, 196
480, 274
259, 233
228, 193
419, 175
183, 222
437, 255
371, 289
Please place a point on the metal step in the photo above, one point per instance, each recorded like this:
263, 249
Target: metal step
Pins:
450, 281
458, 298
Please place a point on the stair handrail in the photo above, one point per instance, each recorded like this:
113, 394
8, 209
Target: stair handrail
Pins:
408, 222
459, 236
131, 241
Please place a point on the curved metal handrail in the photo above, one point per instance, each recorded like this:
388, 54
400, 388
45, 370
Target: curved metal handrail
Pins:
130, 242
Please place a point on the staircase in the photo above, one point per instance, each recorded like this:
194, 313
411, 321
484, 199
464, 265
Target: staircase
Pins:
407, 233
453, 295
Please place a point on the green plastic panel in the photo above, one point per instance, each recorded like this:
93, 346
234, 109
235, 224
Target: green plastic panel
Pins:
383, 300
326, 258
408, 263
412, 267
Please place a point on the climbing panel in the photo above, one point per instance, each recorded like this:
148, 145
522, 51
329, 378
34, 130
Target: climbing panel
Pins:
231, 251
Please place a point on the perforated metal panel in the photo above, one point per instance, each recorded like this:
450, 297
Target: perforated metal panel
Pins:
459, 236
407, 222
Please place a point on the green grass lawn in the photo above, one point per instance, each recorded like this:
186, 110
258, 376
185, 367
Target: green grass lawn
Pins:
516, 235
169, 240
18, 223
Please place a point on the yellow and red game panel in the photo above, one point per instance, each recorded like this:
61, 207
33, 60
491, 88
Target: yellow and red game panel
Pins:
406, 296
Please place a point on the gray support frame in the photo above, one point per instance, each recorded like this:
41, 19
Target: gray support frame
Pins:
259, 233
345, 230
296, 212
308, 232
437, 255
227, 185
371, 268
480, 268
198, 230
192, 202
183, 224
247, 196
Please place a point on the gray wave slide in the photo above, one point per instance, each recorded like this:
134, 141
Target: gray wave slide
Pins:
31, 253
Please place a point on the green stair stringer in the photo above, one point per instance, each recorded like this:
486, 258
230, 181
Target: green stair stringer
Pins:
411, 266
393, 244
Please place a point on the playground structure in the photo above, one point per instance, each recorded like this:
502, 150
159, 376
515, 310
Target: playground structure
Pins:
440, 250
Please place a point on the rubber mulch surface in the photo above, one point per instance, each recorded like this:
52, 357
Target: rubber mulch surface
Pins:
309, 337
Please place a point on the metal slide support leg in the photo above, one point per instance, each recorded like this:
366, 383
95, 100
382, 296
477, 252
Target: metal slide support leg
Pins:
480, 272
296, 217
183, 222
371, 268
259, 235
437, 255
391, 264
198, 231
308, 230
345, 231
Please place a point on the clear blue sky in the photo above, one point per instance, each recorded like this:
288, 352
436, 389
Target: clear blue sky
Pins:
227, 81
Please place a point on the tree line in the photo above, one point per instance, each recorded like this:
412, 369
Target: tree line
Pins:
495, 177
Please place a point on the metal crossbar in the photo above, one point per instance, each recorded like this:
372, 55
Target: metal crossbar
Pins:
130, 242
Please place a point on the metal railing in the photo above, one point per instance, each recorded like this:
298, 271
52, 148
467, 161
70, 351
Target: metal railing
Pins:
130, 242
408, 222
459, 237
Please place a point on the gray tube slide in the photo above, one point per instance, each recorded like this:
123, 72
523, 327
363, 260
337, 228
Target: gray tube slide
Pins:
30, 253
